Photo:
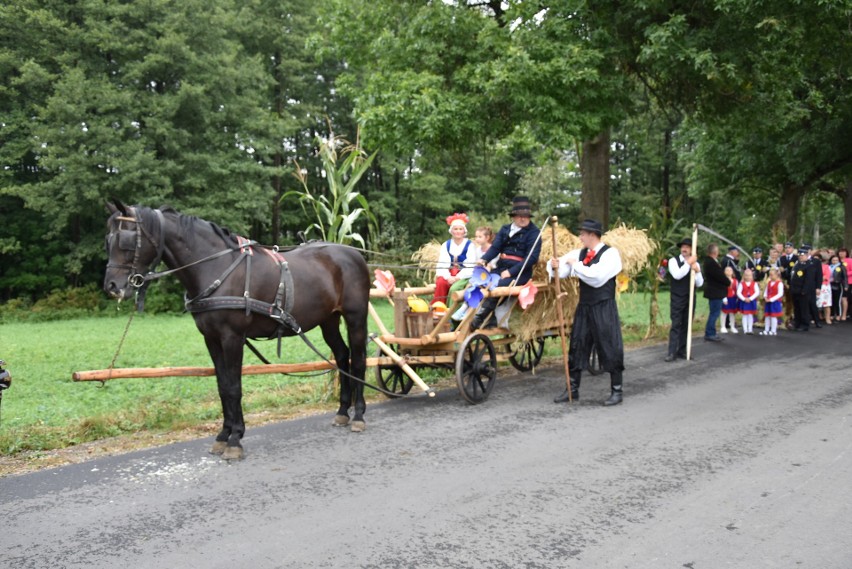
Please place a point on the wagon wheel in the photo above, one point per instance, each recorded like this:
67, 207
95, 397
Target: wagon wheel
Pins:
528, 355
391, 378
476, 368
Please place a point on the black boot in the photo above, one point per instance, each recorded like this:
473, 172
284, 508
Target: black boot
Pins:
575, 389
486, 309
615, 396
614, 399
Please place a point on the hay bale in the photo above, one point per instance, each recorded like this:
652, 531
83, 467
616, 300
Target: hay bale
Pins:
427, 259
633, 245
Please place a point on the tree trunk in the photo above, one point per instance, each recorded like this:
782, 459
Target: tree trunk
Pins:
788, 212
667, 168
594, 168
847, 214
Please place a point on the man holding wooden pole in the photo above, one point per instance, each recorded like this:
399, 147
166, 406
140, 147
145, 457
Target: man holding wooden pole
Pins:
596, 322
680, 267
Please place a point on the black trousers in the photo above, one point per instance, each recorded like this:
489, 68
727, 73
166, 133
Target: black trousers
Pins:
598, 327
801, 309
680, 325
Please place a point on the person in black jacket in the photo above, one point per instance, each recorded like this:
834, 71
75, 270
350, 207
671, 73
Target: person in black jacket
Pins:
787, 261
815, 274
518, 246
715, 289
732, 259
757, 265
801, 286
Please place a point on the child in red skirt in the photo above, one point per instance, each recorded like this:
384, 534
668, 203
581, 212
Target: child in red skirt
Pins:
773, 308
747, 292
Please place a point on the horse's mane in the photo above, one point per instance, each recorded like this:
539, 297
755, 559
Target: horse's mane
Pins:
190, 226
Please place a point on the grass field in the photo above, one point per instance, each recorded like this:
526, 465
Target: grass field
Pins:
44, 409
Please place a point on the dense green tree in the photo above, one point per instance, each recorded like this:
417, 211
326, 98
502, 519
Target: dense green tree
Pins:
150, 102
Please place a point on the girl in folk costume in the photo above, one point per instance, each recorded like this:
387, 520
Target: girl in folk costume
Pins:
747, 293
730, 304
456, 260
484, 237
773, 310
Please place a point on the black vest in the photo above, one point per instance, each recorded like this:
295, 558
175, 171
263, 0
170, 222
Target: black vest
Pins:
679, 287
590, 294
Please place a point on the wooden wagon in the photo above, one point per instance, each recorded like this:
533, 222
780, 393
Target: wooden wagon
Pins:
419, 340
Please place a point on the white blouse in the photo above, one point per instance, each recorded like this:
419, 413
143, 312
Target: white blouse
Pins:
445, 261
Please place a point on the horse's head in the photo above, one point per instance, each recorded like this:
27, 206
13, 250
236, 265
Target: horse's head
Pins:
131, 248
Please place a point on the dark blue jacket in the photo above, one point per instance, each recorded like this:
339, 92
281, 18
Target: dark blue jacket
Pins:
524, 242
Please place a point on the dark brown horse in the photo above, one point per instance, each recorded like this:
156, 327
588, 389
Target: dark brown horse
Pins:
237, 290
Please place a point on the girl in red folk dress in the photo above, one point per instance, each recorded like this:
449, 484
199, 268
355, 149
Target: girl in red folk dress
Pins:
773, 308
747, 293
730, 304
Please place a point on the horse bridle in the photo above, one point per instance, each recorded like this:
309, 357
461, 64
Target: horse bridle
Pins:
131, 240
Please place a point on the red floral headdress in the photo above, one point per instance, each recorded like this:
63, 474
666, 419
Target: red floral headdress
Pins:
458, 217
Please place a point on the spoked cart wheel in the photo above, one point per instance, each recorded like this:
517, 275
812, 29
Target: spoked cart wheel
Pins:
391, 378
476, 368
528, 355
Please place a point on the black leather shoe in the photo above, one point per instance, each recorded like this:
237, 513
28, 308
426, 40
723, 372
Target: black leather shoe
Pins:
817, 325
563, 397
712, 339
670, 358
614, 399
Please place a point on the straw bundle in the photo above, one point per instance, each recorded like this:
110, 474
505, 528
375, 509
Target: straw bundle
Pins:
427, 259
633, 245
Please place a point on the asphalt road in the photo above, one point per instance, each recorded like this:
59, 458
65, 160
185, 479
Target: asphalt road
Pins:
741, 458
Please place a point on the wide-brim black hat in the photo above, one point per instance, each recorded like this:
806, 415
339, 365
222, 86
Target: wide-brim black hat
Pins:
592, 226
521, 206
685, 241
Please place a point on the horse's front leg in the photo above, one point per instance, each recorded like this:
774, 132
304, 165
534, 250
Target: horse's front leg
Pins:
227, 355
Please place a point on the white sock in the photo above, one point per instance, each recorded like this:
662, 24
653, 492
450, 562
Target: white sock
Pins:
773, 324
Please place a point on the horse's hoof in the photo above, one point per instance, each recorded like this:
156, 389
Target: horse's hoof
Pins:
358, 426
233, 453
340, 420
219, 447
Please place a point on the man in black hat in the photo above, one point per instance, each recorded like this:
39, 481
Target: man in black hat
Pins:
518, 247
596, 323
732, 259
801, 287
757, 264
815, 273
679, 268
787, 261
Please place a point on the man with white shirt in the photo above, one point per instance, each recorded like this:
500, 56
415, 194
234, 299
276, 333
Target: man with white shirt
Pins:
679, 269
596, 323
